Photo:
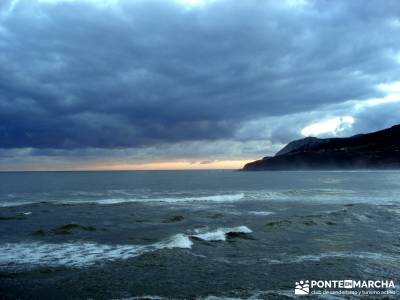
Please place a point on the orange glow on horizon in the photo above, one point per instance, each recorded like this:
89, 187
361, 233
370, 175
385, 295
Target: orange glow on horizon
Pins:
170, 165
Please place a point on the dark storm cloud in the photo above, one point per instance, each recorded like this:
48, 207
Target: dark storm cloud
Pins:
78, 74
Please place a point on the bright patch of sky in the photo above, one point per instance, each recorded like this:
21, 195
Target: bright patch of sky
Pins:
331, 126
191, 2
95, 2
336, 125
393, 95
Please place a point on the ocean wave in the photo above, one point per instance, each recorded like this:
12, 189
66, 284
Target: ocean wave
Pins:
79, 254
261, 213
212, 198
15, 203
343, 255
299, 194
221, 298
324, 195
395, 211
256, 295
145, 297
177, 241
220, 233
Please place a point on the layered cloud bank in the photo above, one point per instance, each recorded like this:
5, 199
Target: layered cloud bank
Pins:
98, 81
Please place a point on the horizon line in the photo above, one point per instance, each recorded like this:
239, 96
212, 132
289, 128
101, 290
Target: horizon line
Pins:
117, 170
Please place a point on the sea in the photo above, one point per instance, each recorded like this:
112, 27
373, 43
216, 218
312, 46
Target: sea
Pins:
215, 234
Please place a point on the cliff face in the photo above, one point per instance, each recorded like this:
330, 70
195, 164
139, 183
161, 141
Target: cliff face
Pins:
376, 150
305, 144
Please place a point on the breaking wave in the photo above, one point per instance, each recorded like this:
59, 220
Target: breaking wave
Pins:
220, 233
15, 203
81, 254
212, 198
34, 254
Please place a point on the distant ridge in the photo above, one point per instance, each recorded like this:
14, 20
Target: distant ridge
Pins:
376, 150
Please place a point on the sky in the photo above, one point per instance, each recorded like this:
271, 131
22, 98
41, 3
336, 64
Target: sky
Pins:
189, 84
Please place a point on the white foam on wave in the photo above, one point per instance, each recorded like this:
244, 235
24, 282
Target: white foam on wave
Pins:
177, 241
79, 254
15, 203
394, 210
220, 298
143, 297
331, 195
256, 295
261, 213
220, 233
343, 255
110, 201
361, 217
212, 198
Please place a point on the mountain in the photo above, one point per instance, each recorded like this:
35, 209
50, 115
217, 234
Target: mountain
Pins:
376, 150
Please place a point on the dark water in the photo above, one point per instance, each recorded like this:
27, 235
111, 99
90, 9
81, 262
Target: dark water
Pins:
194, 234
